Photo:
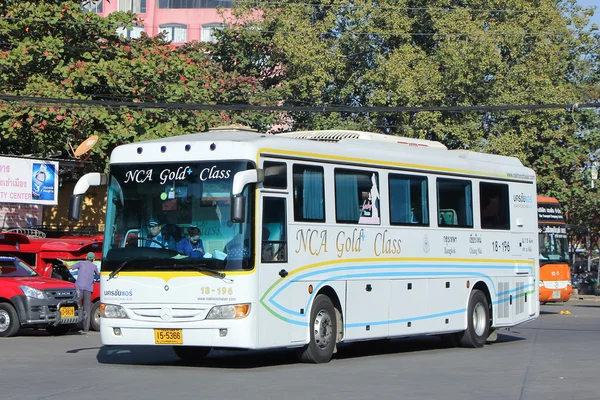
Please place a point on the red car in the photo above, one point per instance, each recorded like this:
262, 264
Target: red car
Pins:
28, 300
43, 254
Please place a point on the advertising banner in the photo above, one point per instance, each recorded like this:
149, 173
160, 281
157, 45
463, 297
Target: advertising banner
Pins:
28, 181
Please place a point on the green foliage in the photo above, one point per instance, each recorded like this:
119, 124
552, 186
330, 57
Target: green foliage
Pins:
437, 53
54, 50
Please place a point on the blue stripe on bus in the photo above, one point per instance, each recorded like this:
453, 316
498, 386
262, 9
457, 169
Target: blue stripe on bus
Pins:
501, 300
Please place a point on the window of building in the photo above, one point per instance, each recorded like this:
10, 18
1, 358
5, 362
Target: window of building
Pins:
133, 33
136, 6
208, 32
408, 200
92, 5
494, 203
275, 175
309, 193
176, 33
195, 3
356, 197
455, 203
274, 239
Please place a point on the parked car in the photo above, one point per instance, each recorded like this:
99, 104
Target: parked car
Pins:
46, 256
28, 300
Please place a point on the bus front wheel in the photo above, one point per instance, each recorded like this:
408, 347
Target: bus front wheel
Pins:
323, 332
478, 321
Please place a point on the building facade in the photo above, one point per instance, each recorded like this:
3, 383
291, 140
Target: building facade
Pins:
182, 20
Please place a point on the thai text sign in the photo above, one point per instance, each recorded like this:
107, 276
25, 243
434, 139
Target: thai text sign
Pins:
29, 181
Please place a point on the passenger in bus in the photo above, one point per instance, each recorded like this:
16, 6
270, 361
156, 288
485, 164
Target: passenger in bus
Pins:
171, 236
267, 247
191, 245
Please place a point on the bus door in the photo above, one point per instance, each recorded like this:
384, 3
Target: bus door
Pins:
282, 305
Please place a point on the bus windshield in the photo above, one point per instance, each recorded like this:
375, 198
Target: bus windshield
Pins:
175, 216
553, 245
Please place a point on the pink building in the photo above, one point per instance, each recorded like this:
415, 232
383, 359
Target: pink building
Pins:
183, 20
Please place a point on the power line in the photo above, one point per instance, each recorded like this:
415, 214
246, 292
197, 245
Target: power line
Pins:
307, 109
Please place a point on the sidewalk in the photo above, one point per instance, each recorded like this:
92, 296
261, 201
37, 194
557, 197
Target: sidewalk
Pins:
584, 297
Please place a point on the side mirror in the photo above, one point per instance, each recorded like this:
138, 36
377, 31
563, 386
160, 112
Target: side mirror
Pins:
238, 202
81, 187
75, 207
238, 208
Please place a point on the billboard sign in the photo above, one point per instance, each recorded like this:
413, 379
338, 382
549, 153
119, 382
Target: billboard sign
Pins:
28, 181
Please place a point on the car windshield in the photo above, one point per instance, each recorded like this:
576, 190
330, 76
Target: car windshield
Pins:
15, 268
169, 215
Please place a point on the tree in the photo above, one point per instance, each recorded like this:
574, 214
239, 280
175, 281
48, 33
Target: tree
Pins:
436, 53
54, 50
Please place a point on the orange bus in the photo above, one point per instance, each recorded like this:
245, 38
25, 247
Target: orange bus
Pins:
555, 271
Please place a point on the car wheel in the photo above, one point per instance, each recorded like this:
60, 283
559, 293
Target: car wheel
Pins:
323, 332
478, 321
9, 320
191, 353
95, 316
59, 330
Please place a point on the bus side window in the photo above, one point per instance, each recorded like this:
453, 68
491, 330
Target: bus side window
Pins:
274, 241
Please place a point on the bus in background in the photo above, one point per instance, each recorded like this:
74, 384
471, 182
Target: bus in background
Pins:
311, 239
555, 271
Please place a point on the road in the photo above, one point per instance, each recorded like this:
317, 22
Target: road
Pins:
553, 357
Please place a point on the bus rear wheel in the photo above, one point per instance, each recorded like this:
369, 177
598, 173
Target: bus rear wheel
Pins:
191, 353
478, 321
323, 332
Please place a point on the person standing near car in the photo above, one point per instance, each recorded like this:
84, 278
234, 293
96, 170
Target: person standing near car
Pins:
85, 281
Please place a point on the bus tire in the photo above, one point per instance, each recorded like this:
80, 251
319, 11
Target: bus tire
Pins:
9, 320
478, 321
191, 353
323, 332
95, 316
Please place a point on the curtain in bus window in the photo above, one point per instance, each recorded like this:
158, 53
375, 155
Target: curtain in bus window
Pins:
400, 201
424, 206
468, 206
312, 197
346, 198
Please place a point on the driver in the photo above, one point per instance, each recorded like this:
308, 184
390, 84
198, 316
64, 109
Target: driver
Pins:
155, 237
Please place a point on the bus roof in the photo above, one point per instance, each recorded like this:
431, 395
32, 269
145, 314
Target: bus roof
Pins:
351, 146
546, 199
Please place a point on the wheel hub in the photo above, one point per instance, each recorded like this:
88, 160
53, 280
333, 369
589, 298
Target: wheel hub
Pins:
4, 321
479, 319
323, 329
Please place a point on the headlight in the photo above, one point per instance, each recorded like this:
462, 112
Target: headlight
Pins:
234, 311
112, 311
33, 293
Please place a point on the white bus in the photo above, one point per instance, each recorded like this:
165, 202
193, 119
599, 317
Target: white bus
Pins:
311, 239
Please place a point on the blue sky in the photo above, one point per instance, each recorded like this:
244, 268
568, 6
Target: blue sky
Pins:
589, 3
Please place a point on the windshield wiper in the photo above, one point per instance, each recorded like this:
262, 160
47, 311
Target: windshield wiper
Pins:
200, 268
123, 265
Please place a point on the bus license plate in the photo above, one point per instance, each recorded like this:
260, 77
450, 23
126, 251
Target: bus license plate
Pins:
67, 312
556, 294
168, 336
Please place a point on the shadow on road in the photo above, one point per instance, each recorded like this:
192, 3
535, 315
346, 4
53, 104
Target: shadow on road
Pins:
227, 359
